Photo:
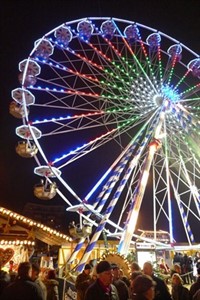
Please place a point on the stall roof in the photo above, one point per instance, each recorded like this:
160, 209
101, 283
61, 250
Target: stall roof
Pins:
17, 228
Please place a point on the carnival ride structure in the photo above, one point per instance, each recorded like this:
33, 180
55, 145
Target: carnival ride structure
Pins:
113, 106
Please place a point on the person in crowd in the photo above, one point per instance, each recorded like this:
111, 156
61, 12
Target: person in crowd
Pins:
190, 270
122, 289
195, 286
144, 288
4, 280
179, 292
51, 285
164, 268
176, 269
187, 269
124, 278
36, 279
135, 267
83, 281
102, 288
178, 258
134, 275
23, 287
161, 289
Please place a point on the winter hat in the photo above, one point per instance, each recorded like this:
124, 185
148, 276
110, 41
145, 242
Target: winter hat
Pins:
142, 283
103, 266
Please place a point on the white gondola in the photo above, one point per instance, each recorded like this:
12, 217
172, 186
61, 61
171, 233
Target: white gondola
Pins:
83, 229
79, 231
43, 192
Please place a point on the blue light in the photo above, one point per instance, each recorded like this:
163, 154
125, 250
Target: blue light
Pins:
170, 94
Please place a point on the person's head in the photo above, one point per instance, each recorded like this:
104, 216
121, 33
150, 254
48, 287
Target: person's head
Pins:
87, 269
24, 269
104, 272
148, 268
135, 267
144, 285
176, 279
116, 271
177, 268
35, 271
44, 273
134, 275
51, 274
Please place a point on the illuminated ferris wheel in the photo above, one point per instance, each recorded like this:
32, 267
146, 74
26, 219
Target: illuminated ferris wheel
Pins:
110, 113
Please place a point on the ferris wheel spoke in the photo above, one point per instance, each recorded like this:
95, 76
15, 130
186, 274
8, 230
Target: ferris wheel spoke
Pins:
135, 58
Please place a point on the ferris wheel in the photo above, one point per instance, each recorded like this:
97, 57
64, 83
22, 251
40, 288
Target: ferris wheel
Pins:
110, 113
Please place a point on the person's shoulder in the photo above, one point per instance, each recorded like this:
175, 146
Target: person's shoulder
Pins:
52, 282
119, 282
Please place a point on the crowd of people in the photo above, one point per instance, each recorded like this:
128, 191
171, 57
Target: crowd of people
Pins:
106, 281
29, 283
143, 284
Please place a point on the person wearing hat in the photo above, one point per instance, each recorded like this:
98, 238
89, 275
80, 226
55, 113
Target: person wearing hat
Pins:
161, 289
120, 285
144, 288
83, 281
102, 288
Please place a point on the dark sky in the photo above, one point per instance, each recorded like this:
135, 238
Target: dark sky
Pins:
23, 22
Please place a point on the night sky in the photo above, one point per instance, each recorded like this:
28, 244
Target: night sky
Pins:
23, 22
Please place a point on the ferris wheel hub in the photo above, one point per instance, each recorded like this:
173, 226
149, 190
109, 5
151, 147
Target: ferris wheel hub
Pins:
158, 99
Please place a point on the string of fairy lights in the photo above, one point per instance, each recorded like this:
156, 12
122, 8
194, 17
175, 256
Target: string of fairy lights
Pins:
31, 223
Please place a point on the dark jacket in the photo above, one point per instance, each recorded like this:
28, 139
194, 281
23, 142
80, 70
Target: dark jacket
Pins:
179, 292
122, 289
161, 289
83, 281
52, 289
20, 289
95, 291
194, 287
